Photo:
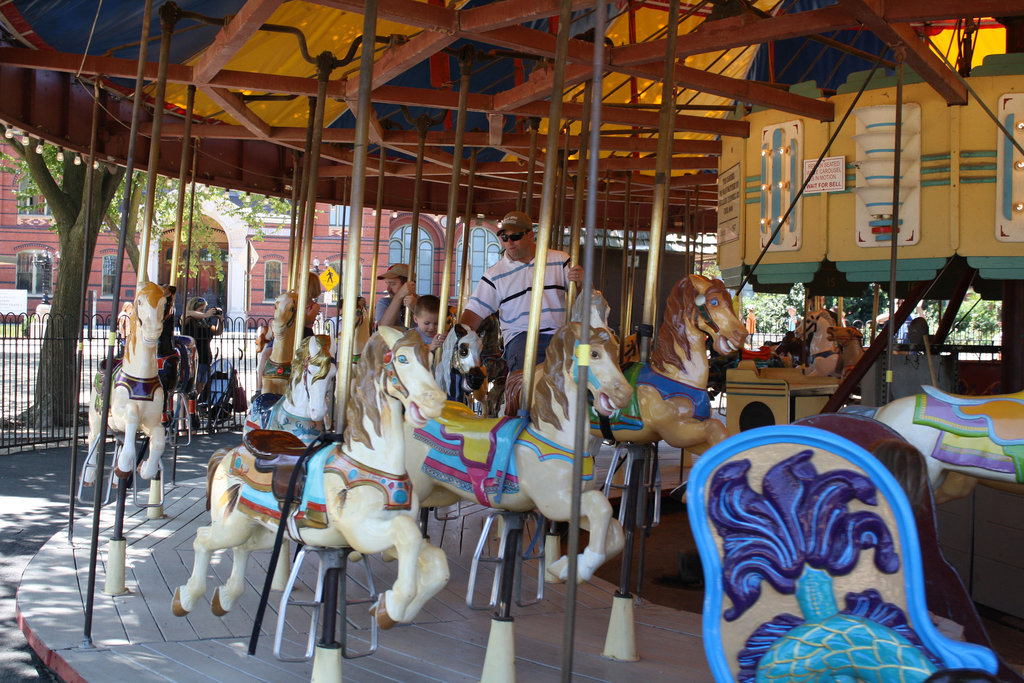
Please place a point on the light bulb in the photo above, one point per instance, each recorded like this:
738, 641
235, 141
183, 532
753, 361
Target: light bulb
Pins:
60, 155
1018, 207
1019, 165
78, 160
95, 165
9, 133
25, 140
39, 148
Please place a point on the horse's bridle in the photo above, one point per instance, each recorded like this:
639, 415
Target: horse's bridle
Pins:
391, 375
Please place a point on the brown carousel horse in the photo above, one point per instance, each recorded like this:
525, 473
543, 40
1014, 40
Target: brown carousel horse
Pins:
277, 372
670, 400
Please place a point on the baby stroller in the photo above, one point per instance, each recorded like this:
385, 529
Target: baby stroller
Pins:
222, 390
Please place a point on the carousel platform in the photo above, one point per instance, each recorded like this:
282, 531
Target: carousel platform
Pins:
136, 636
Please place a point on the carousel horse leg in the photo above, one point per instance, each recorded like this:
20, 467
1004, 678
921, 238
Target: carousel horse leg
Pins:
232, 530
500, 659
225, 597
117, 548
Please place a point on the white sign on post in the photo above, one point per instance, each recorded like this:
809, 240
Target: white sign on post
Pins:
830, 176
14, 301
730, 203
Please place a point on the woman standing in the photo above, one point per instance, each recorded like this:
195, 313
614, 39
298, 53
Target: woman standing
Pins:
196, 323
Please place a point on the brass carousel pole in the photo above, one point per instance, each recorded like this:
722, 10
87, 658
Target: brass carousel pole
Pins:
359, 153
895, 224
626, 307
117, 546
298, 226
534, 124
466, 234
169, 14
558, 235
324, 66
378, 207
578, 192
422, 124
662, 175
604, 230
465, 63
179, 209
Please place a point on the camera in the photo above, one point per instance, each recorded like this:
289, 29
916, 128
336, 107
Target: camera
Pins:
218, 311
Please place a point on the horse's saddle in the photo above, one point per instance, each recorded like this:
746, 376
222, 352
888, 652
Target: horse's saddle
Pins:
276, 455
978, 431
472, 453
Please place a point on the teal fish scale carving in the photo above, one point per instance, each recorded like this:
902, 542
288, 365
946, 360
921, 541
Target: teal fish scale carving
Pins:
844, 648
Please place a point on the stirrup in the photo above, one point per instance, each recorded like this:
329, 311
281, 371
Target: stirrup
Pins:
455, 514
328, 558
509, 520
625, 455
108, 496
136, 480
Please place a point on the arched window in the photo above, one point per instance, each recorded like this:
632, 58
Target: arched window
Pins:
398, 252
484, 252
35, 271
271, 280
109, 271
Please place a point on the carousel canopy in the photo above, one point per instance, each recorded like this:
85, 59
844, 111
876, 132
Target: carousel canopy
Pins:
253, 66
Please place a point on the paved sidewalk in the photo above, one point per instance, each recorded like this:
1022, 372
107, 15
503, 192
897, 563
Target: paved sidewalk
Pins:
34, 490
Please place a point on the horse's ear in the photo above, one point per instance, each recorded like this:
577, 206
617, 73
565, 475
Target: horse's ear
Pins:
699, 284
390, 335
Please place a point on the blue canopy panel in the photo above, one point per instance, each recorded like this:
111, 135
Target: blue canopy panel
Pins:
800, 59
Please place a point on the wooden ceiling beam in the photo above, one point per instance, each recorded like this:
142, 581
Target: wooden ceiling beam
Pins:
234, 106
938, 10
406, 12
232, 36
918, 55
399, 59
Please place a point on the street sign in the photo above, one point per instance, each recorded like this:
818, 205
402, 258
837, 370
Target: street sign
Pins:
329, 278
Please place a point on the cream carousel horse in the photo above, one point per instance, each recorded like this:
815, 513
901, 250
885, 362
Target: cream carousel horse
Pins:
965, 439
670, 400
356, 494
850, 341
304, 406
137, 398
277, 373
460, 371
824, 358
509, 465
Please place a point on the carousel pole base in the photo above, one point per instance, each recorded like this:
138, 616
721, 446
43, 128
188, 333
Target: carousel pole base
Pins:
114, 583
500, 660
155, 509
326, 664
552, 551
620, 642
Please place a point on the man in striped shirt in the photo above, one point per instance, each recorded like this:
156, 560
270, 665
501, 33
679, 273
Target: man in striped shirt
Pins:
507, 286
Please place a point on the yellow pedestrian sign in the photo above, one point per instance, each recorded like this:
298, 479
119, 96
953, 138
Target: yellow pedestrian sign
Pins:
329, 278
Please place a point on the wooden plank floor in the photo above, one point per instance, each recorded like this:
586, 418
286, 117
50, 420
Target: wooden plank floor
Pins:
136, 635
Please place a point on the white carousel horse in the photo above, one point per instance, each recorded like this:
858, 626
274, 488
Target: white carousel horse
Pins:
964, 438
824, 359
361, 327
137, 397
303, 408
460, 370
670, 400
277, 373
355, 494
510, 465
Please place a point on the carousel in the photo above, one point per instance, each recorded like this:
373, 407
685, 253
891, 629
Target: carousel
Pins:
460, 514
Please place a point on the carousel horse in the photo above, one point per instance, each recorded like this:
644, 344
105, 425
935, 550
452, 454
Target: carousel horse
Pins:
670, 400
491, 392
355, 494
851, 347
525, 464
277, 373
304, 406
460, 372
965, 439
137, 397
361, 327
824, 359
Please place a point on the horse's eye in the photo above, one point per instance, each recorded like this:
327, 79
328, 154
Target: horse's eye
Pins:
595, 355
463, 351
714, 302
402, 359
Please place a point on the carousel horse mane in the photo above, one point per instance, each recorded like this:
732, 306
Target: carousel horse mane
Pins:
680, 311
321, 359
552, 398
152, 295
368, 375
599, 309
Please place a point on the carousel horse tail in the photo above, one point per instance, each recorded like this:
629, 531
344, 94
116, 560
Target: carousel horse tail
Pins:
513, 393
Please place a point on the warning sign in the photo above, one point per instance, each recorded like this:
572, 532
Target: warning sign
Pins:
830, 176
329, 278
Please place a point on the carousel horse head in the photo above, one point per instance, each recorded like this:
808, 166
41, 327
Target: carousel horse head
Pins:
312, 376
394, 363
696, 302
284, 312
152, 304
599, 309
607, 386
462, 353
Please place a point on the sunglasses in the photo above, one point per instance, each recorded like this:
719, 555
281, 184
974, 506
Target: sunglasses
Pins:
513, 238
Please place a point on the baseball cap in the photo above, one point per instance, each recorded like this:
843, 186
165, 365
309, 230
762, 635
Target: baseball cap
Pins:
514, 223
396, 270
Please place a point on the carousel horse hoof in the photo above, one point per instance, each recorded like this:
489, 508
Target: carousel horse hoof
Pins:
148, 471
215, 607
389, 555
176, 606
380, 613
89, 477
355, 556
121, 474
559, 570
